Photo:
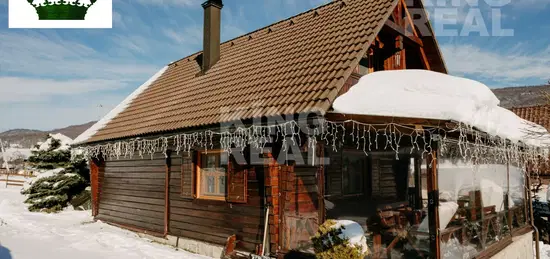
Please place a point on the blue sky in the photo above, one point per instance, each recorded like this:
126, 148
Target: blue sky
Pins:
54, 78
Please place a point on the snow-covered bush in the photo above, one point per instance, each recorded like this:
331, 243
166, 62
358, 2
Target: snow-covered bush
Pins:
340, 239
65, 178
53, 192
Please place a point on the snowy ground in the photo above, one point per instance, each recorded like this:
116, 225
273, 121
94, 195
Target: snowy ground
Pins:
544, 251
68, 235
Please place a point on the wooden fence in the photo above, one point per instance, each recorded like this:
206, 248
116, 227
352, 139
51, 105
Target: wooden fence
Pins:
12, 179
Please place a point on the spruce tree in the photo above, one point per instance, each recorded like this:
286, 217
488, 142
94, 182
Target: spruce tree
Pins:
63, 177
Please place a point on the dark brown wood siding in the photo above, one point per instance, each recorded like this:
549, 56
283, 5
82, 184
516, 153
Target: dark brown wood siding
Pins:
132, 192
334, 173
187, 161
215, 221
383, 178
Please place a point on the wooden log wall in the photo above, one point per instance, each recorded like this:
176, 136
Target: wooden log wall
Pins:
131, 193
214, 221
334, 173
273, 192
383, 178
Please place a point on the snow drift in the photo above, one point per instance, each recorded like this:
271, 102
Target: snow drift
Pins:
431, 95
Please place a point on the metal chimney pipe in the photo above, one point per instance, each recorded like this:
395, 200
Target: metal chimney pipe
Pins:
212, 28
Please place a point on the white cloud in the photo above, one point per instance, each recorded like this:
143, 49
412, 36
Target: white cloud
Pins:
118, 21
191, 34
36, 54
507, 67
45, 116
50, 82
18, 89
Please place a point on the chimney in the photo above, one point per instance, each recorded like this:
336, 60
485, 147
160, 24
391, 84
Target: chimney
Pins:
211, 40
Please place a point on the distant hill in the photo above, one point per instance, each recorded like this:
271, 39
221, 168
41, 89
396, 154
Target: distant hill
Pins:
28, 137
74, 130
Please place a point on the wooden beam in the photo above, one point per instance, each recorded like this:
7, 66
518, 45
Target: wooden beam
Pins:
411, 23
418, 181
433, 202
385, 119
425, 59
167, 192
396, 29
409, 18
95, 165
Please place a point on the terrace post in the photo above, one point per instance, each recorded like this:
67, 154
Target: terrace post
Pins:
433, 200
95, 167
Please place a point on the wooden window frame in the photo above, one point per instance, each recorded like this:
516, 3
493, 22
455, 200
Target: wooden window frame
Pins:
198, 174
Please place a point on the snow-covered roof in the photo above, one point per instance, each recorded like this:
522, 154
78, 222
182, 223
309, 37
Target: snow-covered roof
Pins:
118, 109
432, 95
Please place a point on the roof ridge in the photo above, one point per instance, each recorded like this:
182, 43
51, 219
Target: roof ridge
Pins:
270, 26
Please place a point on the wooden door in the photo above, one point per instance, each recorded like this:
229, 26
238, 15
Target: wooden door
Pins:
299, 207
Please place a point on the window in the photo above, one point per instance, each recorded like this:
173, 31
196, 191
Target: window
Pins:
345, 175
353, 169
212, 174
411, 180
364, 66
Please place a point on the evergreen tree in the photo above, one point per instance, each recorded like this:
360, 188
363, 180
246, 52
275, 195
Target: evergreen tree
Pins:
65, 178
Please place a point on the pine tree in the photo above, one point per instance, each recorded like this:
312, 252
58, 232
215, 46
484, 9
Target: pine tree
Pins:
66, 177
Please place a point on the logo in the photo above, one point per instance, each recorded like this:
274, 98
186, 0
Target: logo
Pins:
60, 14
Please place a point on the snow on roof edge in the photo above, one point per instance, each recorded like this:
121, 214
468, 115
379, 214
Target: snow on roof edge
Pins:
86, 135
431, 95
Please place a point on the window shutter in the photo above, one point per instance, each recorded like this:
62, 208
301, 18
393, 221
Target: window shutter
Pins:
237, 183
188, 175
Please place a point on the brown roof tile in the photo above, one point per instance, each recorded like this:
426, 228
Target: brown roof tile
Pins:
292, 68
537, 114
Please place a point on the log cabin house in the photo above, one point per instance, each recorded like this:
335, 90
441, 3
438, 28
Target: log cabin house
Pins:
168, 161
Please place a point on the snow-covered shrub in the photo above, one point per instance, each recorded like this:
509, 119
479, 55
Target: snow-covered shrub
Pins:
53, 192
340, 239
67, 176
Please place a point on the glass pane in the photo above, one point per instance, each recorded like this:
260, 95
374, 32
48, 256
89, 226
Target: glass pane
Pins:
224, 158
400, 229
491, 179
213, 174
353, 170
211, 184
222, 184
211, 161
461, 209
411, 173
517, 196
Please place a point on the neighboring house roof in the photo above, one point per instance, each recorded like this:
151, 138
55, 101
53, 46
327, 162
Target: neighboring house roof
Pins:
537, 114
297, 65
528, 102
